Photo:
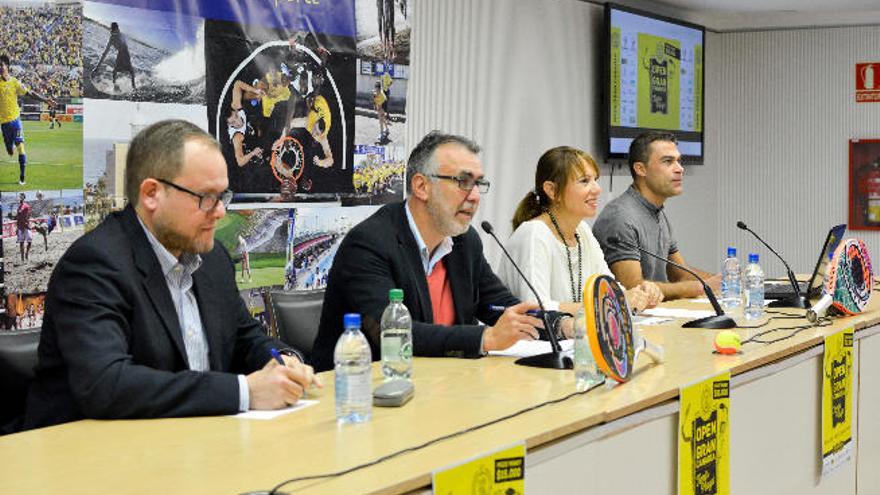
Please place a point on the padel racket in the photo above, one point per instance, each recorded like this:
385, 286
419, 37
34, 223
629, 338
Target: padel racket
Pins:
849, 281
614, 342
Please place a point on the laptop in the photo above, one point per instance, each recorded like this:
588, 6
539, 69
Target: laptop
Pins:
812, 288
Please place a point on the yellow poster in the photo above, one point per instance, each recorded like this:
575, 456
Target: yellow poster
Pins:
659, 82
837, 400
704, 437
502, 472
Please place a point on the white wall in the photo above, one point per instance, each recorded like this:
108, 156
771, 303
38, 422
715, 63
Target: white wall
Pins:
521, 76
780, 110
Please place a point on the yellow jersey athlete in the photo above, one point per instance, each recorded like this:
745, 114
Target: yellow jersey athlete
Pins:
10, 121
318, 124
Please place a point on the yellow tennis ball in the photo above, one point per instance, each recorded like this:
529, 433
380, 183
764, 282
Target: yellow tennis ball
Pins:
727, 342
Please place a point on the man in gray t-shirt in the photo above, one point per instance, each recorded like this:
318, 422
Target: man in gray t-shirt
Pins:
636, 217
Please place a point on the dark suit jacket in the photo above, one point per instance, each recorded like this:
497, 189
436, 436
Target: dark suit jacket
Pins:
111, 345
380, 254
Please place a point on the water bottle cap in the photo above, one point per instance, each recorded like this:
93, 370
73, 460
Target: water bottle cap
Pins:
731, 252
351, 320
395, 295
753, 257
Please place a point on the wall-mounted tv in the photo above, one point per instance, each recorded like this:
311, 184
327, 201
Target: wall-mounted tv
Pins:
653, 80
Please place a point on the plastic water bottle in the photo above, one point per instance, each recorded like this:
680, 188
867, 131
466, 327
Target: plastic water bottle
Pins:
754, 278
396, 338
586, 373
352, 356
731, 290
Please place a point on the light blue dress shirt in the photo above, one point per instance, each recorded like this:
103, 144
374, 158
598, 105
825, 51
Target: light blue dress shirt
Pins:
178, 276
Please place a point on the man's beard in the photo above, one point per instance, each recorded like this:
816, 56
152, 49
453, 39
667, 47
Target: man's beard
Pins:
173, 241
445, 221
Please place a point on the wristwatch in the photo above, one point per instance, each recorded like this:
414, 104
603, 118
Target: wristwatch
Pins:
290, 351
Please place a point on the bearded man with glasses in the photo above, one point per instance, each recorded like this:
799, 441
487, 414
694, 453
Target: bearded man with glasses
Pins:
426, 246
143, 317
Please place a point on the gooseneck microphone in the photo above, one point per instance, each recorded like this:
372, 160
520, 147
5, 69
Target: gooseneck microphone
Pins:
797, 300
720, 320
553, 359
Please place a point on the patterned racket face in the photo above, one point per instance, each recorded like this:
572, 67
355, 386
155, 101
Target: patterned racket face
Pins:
609, 327
850, 278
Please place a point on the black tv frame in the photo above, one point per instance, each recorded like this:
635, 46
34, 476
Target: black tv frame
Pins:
606, 83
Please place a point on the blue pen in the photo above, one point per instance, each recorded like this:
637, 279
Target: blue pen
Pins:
500, 309
277, 356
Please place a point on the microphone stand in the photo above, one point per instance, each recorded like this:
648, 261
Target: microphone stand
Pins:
797, 300
719, 320
554, 359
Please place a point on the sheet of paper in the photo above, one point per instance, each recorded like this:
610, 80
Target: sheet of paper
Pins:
650, 320
678, 313
525, 348
277, 412
705, 300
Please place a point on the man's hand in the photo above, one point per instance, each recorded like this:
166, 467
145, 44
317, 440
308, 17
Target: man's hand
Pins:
513, 325
652, 290
276, 386
637, 299
714, 282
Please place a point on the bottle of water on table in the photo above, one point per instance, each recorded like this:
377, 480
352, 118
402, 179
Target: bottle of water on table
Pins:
731, 290
754, 295
354, 400
396, 338
586, 373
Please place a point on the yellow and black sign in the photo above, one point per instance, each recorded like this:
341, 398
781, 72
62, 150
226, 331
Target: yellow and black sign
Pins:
500, 472
704, 437
837, 400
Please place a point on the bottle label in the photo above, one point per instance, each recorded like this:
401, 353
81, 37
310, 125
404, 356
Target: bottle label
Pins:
391, 347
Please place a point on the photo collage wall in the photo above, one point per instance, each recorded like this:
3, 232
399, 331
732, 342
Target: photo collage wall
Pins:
307, 101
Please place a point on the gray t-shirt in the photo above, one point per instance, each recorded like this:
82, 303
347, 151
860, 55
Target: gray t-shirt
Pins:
636, 221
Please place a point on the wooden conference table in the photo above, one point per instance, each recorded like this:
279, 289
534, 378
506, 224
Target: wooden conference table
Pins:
621, 439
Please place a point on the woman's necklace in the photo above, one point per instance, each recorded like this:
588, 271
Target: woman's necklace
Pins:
575, 289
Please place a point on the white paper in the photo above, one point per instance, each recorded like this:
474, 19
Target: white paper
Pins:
678, 313
650, 320
302, 404
526, 348
705, 300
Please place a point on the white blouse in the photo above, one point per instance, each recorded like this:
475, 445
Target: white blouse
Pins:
541, 256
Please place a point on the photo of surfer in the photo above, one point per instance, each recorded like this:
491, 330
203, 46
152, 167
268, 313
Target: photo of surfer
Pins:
281, 106
142, 55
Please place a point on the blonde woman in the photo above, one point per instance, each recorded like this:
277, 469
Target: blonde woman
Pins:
553, 244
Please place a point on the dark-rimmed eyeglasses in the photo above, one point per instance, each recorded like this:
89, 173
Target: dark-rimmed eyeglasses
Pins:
207, 201
465, 182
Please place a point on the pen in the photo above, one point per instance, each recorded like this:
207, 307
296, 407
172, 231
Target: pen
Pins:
500, 309
277, 356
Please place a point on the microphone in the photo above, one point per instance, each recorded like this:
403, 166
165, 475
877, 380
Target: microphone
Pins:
797, 300
553, 359
720, 320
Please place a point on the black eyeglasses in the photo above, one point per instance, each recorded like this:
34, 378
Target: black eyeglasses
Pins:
466, 182
207, 201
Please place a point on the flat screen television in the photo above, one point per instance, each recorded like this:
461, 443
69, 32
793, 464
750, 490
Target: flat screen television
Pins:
653, 80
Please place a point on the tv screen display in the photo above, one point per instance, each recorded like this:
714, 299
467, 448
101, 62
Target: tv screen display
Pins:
653, 80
